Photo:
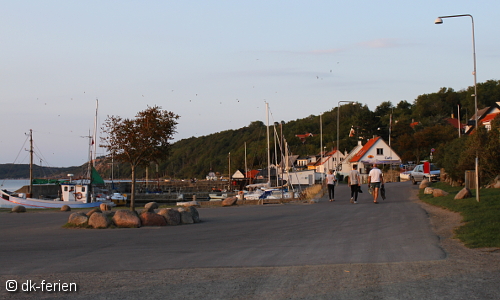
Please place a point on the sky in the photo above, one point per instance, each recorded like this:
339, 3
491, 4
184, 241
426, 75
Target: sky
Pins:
216, 63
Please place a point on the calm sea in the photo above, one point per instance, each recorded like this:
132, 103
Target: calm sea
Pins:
13, 184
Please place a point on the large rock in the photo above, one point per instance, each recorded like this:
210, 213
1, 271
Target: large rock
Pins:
19, 209
152, 219
65, 208
229, 201
194, 213
189, 203
172, 216
151, 206
428, 190
99, 220
425, 183
105, 207
439, 193
108, 213
127, 219
495, 184
94, 210
186, 217
464, 193
78, 218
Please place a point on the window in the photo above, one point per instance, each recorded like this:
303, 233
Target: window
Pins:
380, 151
83, 189
65, 188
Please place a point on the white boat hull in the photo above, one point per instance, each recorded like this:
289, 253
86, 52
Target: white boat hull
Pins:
9, 201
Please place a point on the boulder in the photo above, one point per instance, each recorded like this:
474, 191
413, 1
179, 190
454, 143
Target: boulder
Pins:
439, 193
152, 219
65, 208
78, 218
94, 210
495, 184
127, 219
189, 203
186, 217
108, 213
194, 213
229, 201
151, 206
172, 216
19, 209
425, 183
464, 193
105, 207
99, 220
428, 190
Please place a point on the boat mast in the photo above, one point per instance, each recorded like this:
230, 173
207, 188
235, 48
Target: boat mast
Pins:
268, 148
95, 133
31, 164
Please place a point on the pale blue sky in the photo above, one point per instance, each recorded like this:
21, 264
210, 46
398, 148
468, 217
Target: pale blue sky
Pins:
214, 63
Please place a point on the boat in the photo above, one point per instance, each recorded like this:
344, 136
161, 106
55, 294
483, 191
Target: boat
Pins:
217, 197
75, 195
10, 199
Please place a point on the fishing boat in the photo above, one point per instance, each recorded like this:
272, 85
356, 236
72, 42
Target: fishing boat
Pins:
75, 195
10, 199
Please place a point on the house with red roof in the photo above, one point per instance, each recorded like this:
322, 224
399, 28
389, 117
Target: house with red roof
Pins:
303, 137
375, 151
484, 117
327, 161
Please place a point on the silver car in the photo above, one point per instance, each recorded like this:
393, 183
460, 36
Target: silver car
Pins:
418, 174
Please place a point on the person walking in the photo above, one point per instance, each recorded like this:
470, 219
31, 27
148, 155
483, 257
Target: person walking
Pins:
354, 182
375, 180
330, 183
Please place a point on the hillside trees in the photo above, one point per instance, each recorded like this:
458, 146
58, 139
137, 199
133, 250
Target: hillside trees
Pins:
412, 143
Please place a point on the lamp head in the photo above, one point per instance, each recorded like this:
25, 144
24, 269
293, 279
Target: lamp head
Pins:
438, 21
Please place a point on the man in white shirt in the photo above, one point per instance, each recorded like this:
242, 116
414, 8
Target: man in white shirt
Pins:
375, 180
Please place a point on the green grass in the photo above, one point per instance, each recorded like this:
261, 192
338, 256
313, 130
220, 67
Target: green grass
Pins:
482, 219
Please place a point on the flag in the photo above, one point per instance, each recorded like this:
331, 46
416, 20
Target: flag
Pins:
352, 132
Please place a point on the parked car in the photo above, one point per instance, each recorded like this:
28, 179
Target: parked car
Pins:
418, 174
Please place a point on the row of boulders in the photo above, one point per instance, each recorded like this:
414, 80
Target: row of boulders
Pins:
98, 218
428, 190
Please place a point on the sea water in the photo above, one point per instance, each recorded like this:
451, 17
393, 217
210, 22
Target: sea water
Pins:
13, 185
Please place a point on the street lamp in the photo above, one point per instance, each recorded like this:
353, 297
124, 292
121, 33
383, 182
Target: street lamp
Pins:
338, 125
439, 20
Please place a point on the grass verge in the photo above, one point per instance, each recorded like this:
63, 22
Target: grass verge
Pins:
482, 219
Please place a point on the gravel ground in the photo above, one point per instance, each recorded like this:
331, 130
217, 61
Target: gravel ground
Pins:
464, 274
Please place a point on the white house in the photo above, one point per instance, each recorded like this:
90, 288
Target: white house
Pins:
376, 150
329, 161
346, 165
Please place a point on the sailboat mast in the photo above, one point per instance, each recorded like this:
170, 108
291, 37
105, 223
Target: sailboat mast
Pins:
95, 132
246, 166
31, 164
268, 148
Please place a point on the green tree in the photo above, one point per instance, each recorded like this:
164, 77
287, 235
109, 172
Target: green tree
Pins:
141, 140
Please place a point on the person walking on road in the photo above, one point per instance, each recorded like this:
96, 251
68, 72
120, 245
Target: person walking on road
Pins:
330, 183
354, 181
375, 180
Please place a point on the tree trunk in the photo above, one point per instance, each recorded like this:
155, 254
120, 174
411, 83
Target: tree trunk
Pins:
132, 189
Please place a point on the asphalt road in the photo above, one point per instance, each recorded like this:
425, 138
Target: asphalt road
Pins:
396, 230
326, 250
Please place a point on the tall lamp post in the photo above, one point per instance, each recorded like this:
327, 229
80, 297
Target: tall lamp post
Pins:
338, 125
321, 145
439, 20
